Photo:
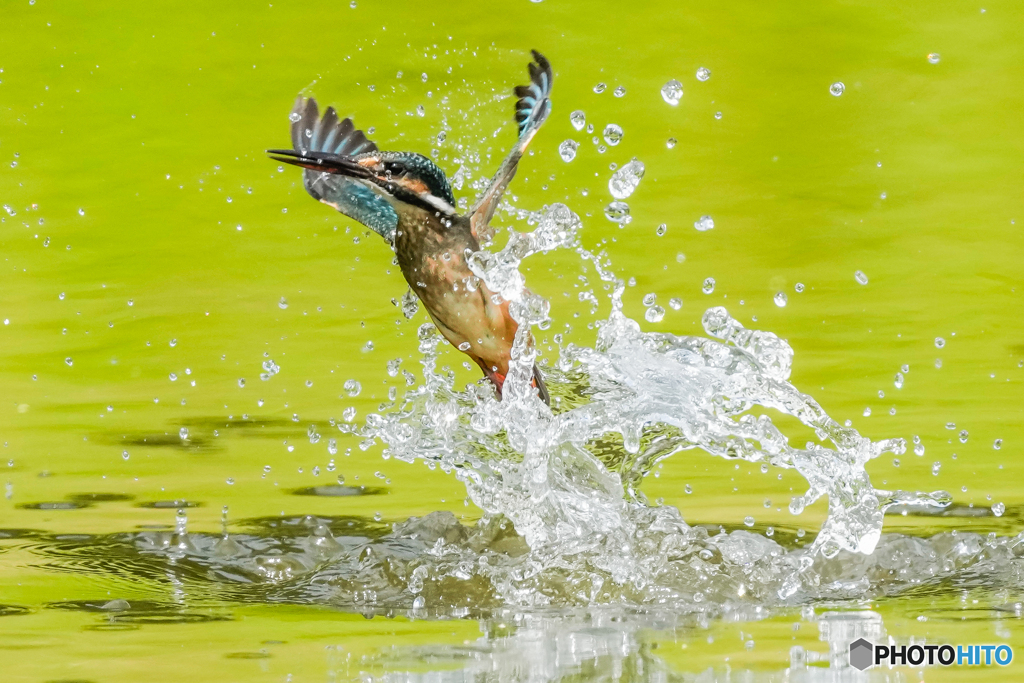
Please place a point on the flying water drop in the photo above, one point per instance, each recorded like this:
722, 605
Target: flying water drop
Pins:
578, 119
618, 212
624, 181
567, 150
672, 92
704, 223
613, 134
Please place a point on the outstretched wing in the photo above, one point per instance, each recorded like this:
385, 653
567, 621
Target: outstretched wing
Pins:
352, 196
532, 108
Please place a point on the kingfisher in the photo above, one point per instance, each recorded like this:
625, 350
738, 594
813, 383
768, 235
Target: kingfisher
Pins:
406, 198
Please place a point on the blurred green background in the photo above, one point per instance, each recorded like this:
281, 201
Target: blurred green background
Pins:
146, 236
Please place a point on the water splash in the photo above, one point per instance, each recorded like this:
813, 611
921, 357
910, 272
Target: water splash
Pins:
583, 517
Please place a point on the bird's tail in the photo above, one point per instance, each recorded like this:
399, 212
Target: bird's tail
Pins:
498, 380
542, 388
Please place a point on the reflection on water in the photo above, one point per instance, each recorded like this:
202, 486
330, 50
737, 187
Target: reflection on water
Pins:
434, 568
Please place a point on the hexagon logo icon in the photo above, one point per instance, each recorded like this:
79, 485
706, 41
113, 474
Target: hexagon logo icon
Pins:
861, 654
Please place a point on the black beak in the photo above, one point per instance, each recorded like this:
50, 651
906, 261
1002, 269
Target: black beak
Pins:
321, 161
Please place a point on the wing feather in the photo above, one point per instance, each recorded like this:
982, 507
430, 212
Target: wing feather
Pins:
532, 109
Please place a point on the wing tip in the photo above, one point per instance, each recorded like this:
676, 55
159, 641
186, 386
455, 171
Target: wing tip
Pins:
328, 133
534, 101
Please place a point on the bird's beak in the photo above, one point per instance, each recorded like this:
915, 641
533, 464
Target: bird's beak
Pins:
321, 161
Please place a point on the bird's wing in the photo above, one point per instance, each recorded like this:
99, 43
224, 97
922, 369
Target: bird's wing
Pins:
329, 136
532, 108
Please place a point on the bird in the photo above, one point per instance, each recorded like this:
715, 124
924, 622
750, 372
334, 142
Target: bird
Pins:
406, 198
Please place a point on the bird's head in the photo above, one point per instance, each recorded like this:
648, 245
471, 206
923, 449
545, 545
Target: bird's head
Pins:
404, 179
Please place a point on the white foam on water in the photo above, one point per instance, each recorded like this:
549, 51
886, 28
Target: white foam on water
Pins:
583, 517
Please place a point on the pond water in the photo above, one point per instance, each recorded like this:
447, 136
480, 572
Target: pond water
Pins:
787, 367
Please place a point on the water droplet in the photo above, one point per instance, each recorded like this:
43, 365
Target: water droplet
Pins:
613, 134
81, 212
410, 304
661, 230
600, 88
934, 57
183, 433
963, 436
241, 382
173, 377
125, 455
748, 521
655, 314
718, 115
131, 302
936, 466
230, 481
799, 287
837, 88
998, 509
650, 299
618, 212
670, 143
919, 449
939, 342
898, 381
860, 277
672, 92
578, 119
781, 299
420, 111
624, 181
283, 303
997, 444
464, 346
352, 387
704, 224
708, 286
675, 303
867, 411
294, 116
703, 74
620, 91
567, 150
